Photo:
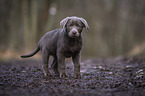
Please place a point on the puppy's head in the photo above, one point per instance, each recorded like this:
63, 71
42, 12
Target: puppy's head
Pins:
74, 26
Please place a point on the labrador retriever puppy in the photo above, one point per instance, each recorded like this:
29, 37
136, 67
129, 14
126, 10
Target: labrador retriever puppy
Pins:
62, 43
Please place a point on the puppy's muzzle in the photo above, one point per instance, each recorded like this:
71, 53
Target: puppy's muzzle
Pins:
74, 33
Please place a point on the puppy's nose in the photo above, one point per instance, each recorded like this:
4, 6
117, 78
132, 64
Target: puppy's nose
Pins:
74, 32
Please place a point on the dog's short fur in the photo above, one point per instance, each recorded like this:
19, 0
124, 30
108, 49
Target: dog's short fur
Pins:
62, 43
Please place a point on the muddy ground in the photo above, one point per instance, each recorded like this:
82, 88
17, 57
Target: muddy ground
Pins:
118, 76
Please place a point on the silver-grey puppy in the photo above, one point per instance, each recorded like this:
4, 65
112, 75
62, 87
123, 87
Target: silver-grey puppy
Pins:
62, 43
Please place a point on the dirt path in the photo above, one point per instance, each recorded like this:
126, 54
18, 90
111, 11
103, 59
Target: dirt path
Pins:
102, 77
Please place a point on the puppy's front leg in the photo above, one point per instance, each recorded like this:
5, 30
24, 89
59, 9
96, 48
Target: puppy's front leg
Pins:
61, 65
76, 61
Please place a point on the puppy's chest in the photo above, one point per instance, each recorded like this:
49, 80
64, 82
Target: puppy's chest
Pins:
74, 46
72, 49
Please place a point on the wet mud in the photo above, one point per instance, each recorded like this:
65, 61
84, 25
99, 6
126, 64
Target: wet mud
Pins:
120, 76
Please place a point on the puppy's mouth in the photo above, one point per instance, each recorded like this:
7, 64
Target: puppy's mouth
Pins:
73, 34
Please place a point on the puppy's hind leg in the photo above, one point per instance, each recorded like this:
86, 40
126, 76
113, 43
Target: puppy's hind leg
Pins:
54, 66
45, 59
61, 66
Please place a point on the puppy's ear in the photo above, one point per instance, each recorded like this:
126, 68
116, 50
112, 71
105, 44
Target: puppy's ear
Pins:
64, 22
85, 23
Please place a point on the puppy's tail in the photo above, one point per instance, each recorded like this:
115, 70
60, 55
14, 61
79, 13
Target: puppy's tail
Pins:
31, 54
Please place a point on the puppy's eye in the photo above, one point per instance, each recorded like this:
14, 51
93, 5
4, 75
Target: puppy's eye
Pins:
79, 25
70, 25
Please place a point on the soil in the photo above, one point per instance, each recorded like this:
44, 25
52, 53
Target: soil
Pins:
120, 76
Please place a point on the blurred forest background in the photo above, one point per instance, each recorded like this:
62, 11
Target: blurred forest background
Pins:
117, 27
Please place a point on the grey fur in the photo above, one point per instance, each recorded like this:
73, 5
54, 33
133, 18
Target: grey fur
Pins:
64, 21
62, 43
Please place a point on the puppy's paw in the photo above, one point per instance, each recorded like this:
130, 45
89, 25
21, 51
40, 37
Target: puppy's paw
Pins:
56, 73
77, 75
48, 75
63, 75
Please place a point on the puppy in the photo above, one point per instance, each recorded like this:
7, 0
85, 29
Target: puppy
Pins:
62, 43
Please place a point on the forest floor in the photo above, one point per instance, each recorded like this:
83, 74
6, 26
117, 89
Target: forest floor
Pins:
120, 76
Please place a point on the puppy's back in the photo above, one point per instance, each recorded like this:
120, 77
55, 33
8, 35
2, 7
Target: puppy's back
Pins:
49, 40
